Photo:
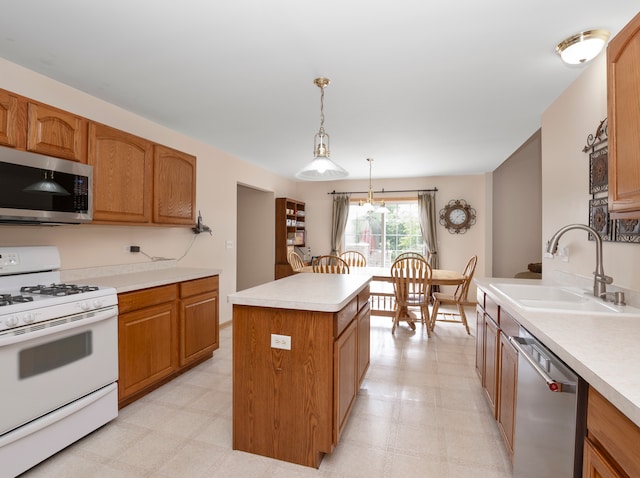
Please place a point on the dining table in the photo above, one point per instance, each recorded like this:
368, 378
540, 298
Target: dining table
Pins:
382, 296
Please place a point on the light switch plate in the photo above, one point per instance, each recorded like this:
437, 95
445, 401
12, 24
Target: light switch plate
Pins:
281, 342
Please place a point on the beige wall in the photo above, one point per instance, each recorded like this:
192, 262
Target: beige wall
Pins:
217, 177
565, 180
517, 210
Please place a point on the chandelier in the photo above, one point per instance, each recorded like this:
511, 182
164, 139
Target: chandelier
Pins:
321, 168
369, 205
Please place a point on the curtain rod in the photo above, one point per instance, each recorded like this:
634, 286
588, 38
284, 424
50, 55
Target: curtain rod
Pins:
382, 191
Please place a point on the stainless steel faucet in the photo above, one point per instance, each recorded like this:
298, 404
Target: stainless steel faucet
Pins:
600, 280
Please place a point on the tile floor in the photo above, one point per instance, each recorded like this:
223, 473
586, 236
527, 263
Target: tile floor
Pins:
420, 413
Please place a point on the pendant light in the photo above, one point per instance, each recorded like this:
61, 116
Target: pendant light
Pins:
321, 168
582, 47
369, 205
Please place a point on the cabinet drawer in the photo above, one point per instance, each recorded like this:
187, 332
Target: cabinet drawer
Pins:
147, 297
480, 297
345, 316
491, 308
363, 297
617, 434
198, 286
508, 324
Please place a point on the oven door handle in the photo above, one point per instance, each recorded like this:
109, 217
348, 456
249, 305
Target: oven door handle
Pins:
22, 334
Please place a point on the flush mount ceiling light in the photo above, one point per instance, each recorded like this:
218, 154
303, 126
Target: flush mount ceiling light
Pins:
321, 168
369, 205
582, 47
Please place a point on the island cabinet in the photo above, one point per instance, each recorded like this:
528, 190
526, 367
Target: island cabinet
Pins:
611, 445
162, 332
623, 78
296, 375
497, 363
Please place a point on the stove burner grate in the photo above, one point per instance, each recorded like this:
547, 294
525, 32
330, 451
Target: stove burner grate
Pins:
58, 289
8, 299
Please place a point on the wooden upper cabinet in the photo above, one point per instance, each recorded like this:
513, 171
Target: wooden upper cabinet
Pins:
12, 122
174, 186
122, 174
56, 133
623, 93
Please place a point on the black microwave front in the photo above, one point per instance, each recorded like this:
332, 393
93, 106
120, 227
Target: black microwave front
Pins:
44, 190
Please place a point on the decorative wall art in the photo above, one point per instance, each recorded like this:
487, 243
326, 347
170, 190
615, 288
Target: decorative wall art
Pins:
620, 230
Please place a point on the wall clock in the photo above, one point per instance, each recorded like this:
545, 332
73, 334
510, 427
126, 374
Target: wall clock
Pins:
457, 216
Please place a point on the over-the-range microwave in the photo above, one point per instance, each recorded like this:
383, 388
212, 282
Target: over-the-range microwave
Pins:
39, 189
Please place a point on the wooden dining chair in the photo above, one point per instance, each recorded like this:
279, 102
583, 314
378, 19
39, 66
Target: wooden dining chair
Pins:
454, 303
295, 261
404, 255
354, 258
411, 286
330, 265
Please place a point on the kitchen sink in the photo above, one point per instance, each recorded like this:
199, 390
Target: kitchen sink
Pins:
559, 299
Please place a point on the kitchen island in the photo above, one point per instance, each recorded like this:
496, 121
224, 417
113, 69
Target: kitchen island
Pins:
300, 353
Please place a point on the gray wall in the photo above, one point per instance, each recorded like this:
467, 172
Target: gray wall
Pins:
517, 210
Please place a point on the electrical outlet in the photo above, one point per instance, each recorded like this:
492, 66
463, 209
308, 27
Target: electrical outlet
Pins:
134, 248
281, 342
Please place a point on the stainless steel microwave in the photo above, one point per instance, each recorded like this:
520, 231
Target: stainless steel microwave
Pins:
44, 190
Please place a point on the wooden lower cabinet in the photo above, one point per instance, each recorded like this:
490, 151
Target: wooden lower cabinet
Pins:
147, 343
507, 385
611, 447
292, 405
491, 344
162, 331
199, 323
480, 343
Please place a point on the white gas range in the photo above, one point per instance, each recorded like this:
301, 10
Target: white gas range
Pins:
58, 358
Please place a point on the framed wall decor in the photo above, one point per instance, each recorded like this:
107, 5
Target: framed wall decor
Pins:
627, 230
599, 218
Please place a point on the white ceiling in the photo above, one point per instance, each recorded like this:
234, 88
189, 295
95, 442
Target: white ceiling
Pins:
425, 88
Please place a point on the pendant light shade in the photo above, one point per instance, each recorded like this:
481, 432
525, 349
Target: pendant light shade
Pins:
582, 47
321, 168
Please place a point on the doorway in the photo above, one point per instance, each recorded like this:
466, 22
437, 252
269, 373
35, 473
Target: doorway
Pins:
255, 232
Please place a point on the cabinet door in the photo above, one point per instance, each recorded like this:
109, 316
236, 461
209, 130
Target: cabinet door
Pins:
364, 340
507, 383
595, 465
148, 349
480, 343
491, 340
57, 133
9, 119
198, 327
174, 186
345, 377
623, 77
122, 174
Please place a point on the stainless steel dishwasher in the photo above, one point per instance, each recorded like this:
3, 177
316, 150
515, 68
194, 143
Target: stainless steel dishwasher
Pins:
550, 413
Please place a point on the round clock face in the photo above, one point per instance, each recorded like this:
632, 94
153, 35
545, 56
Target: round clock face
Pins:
457, 216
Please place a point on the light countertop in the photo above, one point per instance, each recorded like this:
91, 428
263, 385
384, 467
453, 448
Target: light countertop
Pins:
136, 277
603, 350
317, 292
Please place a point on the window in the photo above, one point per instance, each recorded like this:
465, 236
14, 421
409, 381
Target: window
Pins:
381, 237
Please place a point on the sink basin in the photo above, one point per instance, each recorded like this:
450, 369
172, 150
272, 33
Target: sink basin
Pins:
559, 299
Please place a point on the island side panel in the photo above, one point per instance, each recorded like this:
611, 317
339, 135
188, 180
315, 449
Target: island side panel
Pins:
283, 399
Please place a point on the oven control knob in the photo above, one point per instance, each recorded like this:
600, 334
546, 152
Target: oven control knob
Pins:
28, 318
97, 303
85, 306
11, 321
